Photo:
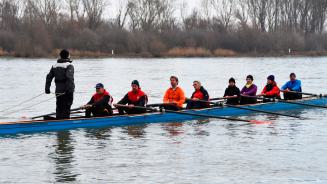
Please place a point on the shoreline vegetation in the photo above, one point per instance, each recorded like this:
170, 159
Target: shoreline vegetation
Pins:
177, 52
163, 28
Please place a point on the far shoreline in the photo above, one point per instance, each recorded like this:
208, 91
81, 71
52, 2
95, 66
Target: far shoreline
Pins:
222, 53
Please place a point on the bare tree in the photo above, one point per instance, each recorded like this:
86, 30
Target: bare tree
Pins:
223, 11
47, 10
258, 13
241, 12
9, 14
76, 10
148, 15
121, 16
94, 10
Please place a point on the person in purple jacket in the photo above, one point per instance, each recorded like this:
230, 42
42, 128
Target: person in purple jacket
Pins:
249, 89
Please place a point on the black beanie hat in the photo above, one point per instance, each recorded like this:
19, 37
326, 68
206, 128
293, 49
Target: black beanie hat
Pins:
64, 54
136, 83
271, 77
249, 77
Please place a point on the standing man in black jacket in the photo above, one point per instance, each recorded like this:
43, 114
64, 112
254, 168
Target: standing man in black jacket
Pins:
63, 72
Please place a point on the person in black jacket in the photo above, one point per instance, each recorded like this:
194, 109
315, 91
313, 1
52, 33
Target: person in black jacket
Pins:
100, 103
232, 93
63, 73
199, 94
136, 97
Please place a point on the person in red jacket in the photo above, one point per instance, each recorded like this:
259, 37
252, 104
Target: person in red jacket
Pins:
100, 103
136, 97
271, 90
199, 94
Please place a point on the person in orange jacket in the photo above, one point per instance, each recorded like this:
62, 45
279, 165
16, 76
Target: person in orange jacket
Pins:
271, 90
174, 96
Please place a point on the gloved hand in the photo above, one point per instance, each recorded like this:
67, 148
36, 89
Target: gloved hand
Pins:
47, 91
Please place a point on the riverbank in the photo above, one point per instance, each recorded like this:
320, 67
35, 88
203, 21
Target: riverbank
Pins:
172, 53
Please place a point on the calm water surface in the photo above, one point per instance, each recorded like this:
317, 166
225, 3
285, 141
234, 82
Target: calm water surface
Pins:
207, 151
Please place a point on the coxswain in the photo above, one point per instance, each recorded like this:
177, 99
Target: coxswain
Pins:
63, 73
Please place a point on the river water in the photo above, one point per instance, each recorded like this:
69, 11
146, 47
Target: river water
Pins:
208, 151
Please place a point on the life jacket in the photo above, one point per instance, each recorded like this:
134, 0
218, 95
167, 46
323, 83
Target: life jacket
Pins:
201, 94
134, 97
198, 94
97, 97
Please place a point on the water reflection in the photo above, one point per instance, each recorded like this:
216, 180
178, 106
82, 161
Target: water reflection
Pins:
135, 131
199, 129
63, 158
174, 129
100, 133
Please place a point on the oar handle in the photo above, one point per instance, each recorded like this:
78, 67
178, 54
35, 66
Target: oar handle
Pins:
204, 101
223, 98
160, 104
136, 107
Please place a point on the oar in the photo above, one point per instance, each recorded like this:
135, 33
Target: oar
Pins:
200, 115
219, 117
158, 104
40, 116
172, 103
297, 92
222, 98
290, 102
21, 103
255, 110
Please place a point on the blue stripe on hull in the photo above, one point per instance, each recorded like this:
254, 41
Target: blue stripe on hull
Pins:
41, 126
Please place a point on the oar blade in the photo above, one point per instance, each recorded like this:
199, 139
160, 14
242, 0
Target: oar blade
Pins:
259, 122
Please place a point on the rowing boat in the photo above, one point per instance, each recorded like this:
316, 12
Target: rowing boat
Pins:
7, 128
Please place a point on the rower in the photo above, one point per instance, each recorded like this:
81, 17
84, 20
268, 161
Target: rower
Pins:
63, 72
292, 85
271, 89
100, 103
249, 90
174, 96
199, 94
136, 97
232, 93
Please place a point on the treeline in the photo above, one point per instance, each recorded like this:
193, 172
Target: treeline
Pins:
37, 28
